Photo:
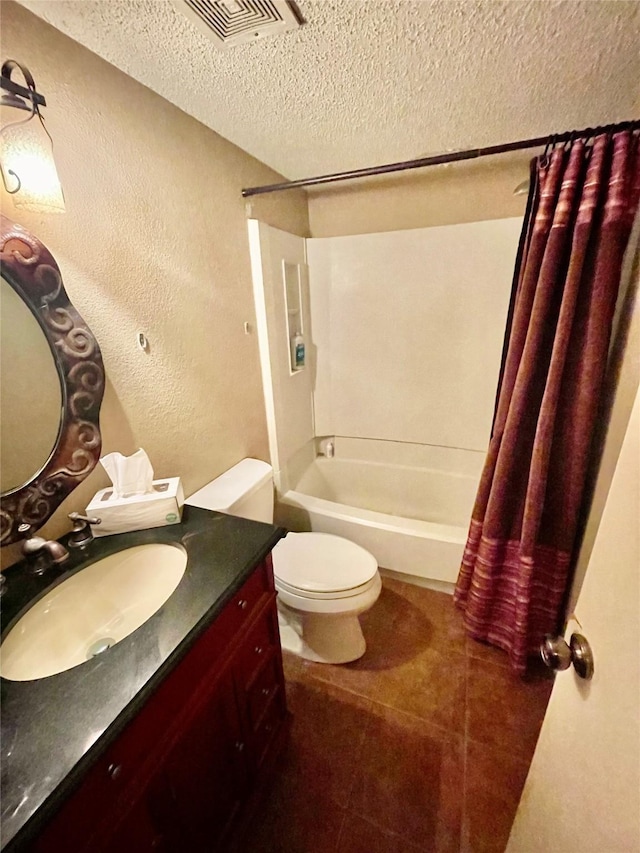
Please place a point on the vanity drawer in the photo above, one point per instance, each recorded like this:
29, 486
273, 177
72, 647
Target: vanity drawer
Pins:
246, 602
261, 642
263, 689
270, 724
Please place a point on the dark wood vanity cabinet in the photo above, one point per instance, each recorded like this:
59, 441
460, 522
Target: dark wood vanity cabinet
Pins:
181, 771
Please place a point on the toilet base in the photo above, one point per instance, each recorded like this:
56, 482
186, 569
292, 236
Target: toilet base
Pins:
323, 638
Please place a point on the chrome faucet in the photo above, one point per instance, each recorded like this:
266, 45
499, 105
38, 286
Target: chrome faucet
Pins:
35, 548
81, 535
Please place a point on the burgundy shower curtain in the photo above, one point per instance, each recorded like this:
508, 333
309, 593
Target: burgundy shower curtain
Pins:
521, 539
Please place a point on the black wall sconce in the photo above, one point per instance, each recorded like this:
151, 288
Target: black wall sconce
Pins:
28, 169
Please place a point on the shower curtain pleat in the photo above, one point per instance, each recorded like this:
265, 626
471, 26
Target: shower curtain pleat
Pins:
521, 540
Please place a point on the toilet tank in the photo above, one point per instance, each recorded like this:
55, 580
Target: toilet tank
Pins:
245, 490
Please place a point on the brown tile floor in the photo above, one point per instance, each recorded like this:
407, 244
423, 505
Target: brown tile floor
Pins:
422, 745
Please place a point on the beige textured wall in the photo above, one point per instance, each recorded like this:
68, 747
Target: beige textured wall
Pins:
154, 238
439, 195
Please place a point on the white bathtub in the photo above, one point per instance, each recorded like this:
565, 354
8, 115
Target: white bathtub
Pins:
413, 518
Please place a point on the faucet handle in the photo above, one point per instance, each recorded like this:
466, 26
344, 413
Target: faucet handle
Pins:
32, 543
83, 519
25, 530
81, 534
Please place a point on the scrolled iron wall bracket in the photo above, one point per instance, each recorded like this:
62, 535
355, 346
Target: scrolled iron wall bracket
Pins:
16, 91
33, 273
21, 98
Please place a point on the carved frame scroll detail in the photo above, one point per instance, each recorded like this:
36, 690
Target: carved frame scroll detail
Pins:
31, 270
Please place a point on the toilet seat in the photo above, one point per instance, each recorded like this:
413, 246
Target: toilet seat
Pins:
281, 586
320, 565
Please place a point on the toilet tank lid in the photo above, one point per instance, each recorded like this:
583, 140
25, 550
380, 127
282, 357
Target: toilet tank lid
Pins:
238, 482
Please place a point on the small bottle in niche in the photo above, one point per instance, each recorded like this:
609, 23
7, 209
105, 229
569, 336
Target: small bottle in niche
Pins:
297, 352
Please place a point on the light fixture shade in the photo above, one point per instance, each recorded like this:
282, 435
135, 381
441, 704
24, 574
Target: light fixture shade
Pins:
26, 152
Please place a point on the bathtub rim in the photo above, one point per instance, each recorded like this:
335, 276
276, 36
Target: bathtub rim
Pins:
454, 534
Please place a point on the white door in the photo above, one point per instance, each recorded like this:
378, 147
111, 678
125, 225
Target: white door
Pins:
582, 794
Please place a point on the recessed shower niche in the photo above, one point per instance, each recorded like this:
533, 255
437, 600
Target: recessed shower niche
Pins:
292, 278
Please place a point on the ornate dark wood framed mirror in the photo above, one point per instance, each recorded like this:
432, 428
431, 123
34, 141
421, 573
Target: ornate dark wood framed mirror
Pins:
52, 383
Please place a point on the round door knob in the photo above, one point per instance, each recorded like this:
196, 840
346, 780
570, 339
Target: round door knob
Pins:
242, 604
581, 656
557, 654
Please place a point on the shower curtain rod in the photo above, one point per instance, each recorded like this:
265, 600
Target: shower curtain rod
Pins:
438, 159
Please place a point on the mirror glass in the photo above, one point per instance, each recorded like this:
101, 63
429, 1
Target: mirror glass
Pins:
30, 393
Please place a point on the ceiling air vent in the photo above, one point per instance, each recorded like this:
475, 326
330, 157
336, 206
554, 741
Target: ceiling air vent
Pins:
232, 22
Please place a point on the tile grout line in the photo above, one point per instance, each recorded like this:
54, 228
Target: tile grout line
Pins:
500, 750
389, 833
361, 745
341, 831
393, 708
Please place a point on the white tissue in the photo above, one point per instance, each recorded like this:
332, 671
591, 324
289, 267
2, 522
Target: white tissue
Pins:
130, 475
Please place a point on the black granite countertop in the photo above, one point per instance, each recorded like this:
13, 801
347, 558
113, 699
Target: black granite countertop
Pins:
54, 728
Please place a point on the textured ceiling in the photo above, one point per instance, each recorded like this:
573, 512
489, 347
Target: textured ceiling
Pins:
373, 81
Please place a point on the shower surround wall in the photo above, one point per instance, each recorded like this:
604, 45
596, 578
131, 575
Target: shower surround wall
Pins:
408, 327
406, 333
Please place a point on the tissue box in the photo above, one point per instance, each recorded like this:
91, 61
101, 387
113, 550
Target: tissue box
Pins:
138, 512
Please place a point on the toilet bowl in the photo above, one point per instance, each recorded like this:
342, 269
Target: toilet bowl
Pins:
324, 582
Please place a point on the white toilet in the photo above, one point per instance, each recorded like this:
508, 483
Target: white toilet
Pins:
324, 582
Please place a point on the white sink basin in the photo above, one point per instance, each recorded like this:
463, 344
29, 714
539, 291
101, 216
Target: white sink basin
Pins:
91, 611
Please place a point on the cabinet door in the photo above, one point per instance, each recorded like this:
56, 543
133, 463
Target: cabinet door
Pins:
204, 776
